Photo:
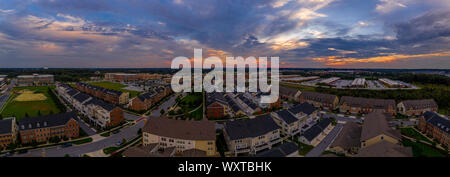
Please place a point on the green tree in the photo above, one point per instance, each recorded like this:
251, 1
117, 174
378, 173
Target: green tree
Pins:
26, 115
162, 111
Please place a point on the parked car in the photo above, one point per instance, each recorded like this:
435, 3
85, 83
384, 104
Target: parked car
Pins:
118, 143
66, 145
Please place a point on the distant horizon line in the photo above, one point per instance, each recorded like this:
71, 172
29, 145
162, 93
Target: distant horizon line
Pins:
224, 67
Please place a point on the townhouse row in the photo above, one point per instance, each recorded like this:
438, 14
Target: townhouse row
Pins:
111, 96
98, 112
127, 77
35, 80
38, 129
146, 100
356, 105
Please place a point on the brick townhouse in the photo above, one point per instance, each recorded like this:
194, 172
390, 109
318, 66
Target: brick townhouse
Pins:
148, 99
216, 105
366, 105
436, 126
416, 107
112, 96
322, 100
41, 128
8, 131
35, 80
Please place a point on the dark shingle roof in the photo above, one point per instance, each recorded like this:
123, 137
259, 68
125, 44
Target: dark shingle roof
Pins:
420, 104
46, 121
245, 128
303, 107
180, 129
318, 97
437, 121
72, 92
81, 97
349, 136
376, 123
368, 102
287, 116
6, 126
104, 105
279, 151
316, 129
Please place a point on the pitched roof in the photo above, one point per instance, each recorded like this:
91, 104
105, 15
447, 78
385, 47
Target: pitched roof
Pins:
181, 129
46, 121
375, 124
282, 150
368, 102
288, 91
437, 121
316, 129
286, 116
349, 136
104, 105
385, 149
420, 104
248, 102
81, 97
215, 97
303, 107
6, 125
245, 128
318, 97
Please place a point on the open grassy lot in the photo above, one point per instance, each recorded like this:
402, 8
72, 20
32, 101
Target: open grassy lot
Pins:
414, 134
40, 102
422, 150
115, 86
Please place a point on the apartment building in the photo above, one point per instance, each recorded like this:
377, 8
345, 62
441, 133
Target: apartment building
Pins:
436, 126
121, 77
35, 80
181, 134
8, 131
251, 135
417, 107
289, 149
325, 101
348, 140
357, 105
376, 128
112, 96
40, 129
305, 112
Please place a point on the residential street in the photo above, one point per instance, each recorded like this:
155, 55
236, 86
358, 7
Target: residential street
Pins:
166, 105
318, 150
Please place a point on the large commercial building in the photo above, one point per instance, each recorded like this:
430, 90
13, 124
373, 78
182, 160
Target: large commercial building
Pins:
42, 128
182, 135
35, 80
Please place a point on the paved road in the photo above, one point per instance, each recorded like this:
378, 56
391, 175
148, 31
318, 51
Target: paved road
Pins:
129, 116
86, 128
75, 151
166, 105
318, 150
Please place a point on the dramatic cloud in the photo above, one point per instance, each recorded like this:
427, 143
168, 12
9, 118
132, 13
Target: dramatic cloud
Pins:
150, 33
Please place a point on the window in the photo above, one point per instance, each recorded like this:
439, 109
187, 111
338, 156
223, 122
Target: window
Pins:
382, 137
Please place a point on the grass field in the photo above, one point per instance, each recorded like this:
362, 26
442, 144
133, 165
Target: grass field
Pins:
20, 108
422, 150
115, 86
414, 134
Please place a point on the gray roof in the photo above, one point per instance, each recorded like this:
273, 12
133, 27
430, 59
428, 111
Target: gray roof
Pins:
420, 104
375, 124
303, 107
46, 121
367, 102
6, 125
215, 97
280, 151
316, 129
81, 97
437, 121
246, 128
286, 116
104, 105
349, 136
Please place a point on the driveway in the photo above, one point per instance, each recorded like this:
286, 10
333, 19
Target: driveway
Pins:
318, 150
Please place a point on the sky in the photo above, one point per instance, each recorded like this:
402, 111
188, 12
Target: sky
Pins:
401, 34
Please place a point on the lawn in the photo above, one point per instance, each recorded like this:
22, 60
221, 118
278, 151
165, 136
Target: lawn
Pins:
19, 109
116, 86
414, 134
303, 149
422, 150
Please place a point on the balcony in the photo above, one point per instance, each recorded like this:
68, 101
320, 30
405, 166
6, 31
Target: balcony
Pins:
275, 141
242, 150
261, 147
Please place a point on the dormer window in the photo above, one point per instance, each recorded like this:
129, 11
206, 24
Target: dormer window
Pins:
29, 125
38, 125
